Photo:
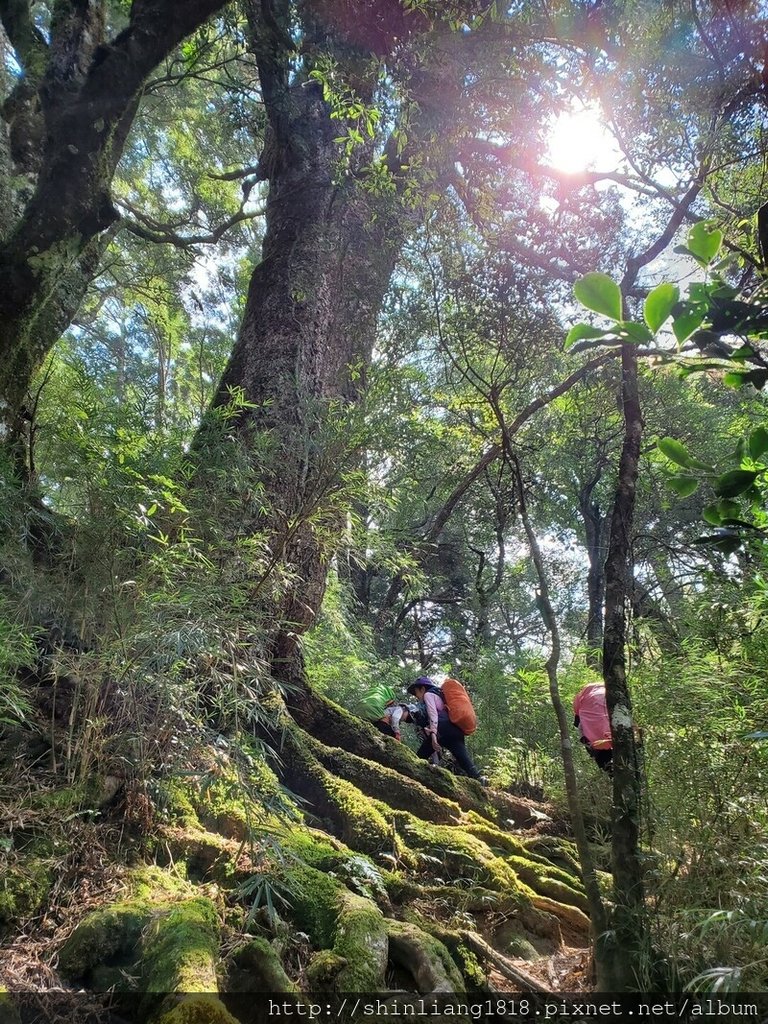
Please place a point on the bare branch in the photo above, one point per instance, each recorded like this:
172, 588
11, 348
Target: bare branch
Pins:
153, 231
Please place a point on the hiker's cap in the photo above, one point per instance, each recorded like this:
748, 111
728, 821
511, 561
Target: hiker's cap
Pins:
421, 681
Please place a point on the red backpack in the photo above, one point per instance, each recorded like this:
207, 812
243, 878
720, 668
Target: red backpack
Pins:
459, 706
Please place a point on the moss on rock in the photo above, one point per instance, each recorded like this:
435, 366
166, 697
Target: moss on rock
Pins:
180, 951
113, 933
315, 902
399, 791
24, 887
102, 935
548, 880
323, 970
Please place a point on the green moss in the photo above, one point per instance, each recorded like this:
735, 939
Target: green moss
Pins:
399, 790
557, 851
315, 848
361, 939
179, 954
258, 968
413, 947
462, 854
24, 887
470, 967
66, 799
178, 806
204, 854
102, 935
233, 797
196, 1009
154, 884
114, 932
111, 979
520, 948
315, 902
550, 881
365, 827
323, 970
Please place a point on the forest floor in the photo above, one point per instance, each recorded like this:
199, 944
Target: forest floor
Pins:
458, 890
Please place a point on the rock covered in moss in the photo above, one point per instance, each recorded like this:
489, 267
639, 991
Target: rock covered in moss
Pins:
425, 957
361, 939
24, 888
180, 950
113, 933
101, 936
324, 969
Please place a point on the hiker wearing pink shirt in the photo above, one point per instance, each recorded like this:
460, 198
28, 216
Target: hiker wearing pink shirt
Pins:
591, 719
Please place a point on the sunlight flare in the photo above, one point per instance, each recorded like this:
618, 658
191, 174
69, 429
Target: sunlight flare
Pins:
579, 140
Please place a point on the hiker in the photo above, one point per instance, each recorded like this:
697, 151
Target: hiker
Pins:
440, 731
394, 714
591, 719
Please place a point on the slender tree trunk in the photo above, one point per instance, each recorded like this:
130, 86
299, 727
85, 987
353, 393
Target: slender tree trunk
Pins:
597, 911
622, 959
595, 531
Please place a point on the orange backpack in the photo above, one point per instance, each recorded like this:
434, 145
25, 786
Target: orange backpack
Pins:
460, 710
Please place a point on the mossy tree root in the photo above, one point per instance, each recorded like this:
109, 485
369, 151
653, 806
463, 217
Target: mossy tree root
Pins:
424, 957
257, 967
361, 939
335, 727
502, 963
388, 785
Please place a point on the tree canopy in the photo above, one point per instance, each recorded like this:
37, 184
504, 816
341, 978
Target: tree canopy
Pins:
343, 343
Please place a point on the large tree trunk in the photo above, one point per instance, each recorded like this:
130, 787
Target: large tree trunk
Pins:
307, 334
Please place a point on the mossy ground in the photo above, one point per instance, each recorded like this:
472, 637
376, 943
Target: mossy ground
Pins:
244, 897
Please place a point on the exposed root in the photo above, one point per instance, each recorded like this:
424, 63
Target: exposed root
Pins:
502, 963
424, 957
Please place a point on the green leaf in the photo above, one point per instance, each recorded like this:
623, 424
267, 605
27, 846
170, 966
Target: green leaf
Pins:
686, 323
704, 242
736, 481
728, 509
658, 305
712, 515
599, 293
758, 442
675, 452
580, 331
725, 541
728, 545
683, 485
635, 331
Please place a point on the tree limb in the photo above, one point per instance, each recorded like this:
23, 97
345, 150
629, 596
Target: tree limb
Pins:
154, 231
29, 45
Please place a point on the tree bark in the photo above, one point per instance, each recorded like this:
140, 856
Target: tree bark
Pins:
620, 956
328, 254
64, 128
595, 533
